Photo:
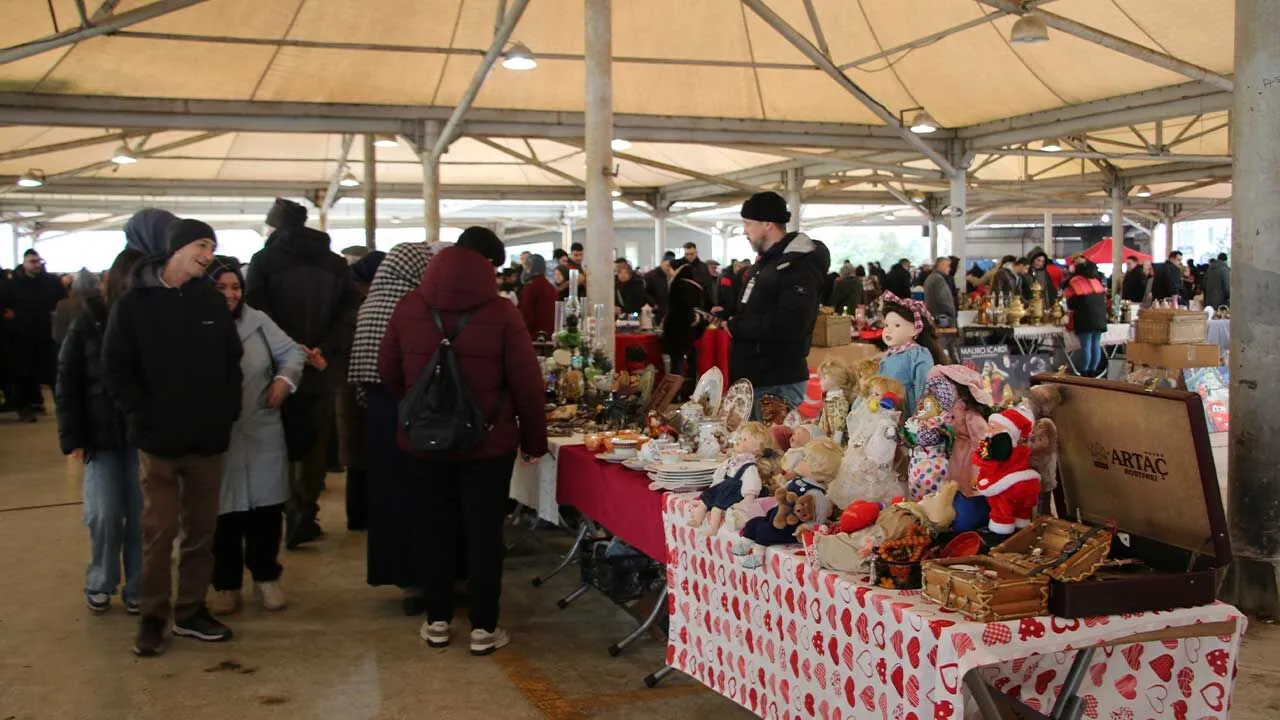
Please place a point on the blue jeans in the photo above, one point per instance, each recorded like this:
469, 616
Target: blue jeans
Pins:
1090, 352
792, 393
112, 512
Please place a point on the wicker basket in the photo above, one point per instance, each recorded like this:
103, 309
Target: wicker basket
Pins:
966, 585
1164, 326
1062, 550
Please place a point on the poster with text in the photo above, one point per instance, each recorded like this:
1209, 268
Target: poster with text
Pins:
1006, 376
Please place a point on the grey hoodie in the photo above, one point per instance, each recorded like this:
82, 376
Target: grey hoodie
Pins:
146, 231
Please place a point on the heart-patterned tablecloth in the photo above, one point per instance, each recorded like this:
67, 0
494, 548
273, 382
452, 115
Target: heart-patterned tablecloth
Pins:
789, 641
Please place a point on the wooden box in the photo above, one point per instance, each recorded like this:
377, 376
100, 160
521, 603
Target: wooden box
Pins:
965, 585
1049, 549
1139, 461
1174, 357
832, 330
1166, 326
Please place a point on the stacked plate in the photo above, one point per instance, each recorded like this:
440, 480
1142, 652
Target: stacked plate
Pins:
682, 476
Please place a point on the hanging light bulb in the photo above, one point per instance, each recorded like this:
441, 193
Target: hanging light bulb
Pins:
923, 123
918, 197
1029, 30
1106, 216
620, 145
31, 179
386, 141
518, 57
349, 180
123, 156
1143, 191
1051, 146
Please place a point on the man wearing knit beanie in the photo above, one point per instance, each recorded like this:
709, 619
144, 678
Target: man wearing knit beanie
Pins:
171, 362
778, 306
286, 214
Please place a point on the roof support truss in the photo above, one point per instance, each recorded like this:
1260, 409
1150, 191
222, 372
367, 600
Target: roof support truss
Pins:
108, 24
140, 154
71, 145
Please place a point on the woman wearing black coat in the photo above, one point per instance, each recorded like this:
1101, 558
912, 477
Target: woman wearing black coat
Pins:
92, 430
684, 324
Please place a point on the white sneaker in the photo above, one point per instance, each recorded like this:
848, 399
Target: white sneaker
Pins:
486, 643
272, 596
435, 633
97, 602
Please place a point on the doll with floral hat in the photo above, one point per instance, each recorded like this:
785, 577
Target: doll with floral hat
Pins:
1005, 476
913, 345
929, 435
738, 479
867, 469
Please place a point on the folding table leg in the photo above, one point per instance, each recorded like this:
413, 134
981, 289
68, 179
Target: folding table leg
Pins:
981, 693
583, 528
581, 590
1069, 706
653, 678
659, 607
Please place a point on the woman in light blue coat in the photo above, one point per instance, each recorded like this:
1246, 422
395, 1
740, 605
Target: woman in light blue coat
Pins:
255, 484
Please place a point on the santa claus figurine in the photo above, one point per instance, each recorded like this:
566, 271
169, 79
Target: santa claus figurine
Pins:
1005, 477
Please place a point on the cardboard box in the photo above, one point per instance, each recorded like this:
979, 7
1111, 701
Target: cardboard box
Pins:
1174, 357
832, 330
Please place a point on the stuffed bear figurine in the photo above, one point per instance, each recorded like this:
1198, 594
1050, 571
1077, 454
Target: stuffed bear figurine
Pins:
1005, 476
801, 505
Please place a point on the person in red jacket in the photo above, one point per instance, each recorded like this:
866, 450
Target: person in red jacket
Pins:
498, 364
538, 299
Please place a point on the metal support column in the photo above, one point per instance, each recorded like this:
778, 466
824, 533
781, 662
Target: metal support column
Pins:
566, 234
430, 180
370, 192
599, 134
1117, 238
795, 185
1048, 234
1253, 489
959, 187
1168, 236
933, 240
659, 235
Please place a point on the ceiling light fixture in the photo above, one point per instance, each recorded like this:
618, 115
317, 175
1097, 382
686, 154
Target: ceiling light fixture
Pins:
918, 197
620, 145
518, 57
1051, 146
923, 123
386, 141
31, 179
1143, 191
123, 156
348, 180
1029, 30
1106, 217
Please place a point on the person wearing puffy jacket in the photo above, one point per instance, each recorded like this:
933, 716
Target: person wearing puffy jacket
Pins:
497, 363
1087, 300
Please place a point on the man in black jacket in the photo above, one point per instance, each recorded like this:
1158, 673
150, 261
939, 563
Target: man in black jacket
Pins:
171, 361
1167, 282
1134, 287
898, 279
307, 290
773, 326
28, 310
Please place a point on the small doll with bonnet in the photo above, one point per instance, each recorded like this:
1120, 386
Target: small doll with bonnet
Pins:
930, 435
913, 346
838, 382
737, 479
867, 468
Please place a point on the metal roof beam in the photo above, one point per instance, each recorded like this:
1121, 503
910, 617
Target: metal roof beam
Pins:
1120, 45
71, 145
686, 172
851, 163
1163, 103
1085, 155
107, 25
801, 43
57, 178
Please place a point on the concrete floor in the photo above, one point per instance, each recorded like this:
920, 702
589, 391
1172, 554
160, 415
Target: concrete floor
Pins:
342, 649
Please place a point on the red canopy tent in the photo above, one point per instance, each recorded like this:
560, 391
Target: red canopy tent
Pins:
1100, 254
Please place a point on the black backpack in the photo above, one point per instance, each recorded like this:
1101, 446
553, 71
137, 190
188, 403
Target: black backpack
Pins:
439, 415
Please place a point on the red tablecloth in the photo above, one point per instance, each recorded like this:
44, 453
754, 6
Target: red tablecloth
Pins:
617, 498
870, 335
790, 641
712, 349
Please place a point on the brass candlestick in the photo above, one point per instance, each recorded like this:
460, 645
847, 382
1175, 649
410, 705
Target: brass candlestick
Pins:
1017, 311
1035, 312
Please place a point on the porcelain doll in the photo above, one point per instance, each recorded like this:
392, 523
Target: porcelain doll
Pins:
929, 436
838, 382
801, 435
913, 346
867, 469
969, 411
802, 505
736, 479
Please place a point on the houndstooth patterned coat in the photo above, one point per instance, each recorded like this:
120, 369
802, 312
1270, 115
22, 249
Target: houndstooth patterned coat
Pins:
397, 276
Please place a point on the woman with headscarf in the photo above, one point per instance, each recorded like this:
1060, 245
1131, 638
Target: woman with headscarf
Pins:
351, 415
91, 429
255, 481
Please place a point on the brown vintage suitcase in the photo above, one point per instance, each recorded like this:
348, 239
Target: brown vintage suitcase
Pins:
1139, 461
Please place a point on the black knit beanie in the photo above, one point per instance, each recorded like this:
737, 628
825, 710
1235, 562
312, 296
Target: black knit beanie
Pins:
286, 214
186, 231
484, 241
766, 207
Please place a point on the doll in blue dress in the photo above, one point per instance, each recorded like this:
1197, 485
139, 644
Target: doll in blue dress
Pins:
738, 479
913, 346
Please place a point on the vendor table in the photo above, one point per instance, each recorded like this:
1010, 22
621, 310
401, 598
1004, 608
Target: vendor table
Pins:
534, 486
712, 349
1029, 338
792, 641
617, 499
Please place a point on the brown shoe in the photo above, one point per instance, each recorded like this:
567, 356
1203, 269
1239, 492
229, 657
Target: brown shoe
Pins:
272, 596
226, 602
